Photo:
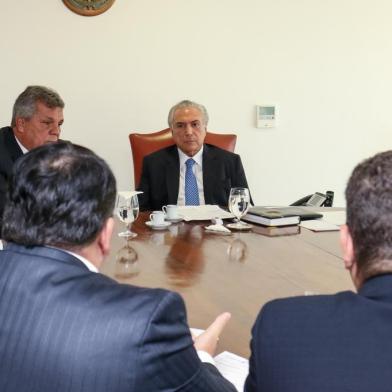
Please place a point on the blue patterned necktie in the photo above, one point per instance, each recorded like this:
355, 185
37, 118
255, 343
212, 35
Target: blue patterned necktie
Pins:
191, 191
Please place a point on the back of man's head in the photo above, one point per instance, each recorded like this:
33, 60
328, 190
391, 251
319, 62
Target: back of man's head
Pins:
25, 104
369, 214
61, 195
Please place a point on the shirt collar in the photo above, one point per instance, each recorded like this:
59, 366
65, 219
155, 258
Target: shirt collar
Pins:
22, 147
87, 263
198, 157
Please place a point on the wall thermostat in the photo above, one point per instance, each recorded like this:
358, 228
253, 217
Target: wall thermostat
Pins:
266, 116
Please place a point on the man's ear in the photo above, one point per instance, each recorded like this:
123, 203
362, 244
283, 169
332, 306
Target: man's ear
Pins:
105, 236
346, 243
19, 124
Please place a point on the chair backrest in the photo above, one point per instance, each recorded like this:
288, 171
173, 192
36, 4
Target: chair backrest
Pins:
143, 144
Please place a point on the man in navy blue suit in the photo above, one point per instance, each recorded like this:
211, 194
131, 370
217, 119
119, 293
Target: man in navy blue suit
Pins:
342, 342
64, 326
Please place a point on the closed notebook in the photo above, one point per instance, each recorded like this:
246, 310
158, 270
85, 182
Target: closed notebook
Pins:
279, 216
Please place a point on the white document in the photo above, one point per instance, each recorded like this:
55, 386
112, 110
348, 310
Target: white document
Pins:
330, 221
233, 367
319, 225
205, 212
334, 217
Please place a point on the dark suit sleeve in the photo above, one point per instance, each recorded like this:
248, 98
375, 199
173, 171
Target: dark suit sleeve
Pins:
239, 178
144, 186
169, 361
251, 381
261, 372
3, 192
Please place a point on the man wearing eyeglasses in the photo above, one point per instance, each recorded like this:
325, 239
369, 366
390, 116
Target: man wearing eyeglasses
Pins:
189, 172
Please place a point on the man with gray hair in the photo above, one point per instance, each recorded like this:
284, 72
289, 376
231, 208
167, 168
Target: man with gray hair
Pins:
190, 172
36, 119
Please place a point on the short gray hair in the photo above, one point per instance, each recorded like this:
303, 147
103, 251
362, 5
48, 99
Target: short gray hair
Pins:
187, 104
25, 104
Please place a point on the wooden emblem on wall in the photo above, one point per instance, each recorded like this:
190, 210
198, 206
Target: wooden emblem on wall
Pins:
88, 7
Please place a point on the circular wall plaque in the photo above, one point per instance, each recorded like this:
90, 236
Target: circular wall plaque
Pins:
88, 7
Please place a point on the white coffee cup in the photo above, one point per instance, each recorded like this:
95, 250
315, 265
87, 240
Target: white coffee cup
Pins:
171, 211
157, 218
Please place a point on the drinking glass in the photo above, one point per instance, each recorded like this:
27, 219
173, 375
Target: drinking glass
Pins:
127, 265
127, 209
238, 205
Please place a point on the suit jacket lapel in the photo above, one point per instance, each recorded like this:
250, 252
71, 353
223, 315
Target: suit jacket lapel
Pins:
209, 175
172, 173
13, 146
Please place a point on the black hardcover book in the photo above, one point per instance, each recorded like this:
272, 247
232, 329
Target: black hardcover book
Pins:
279, 216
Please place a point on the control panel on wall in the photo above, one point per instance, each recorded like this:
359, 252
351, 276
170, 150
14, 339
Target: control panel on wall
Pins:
265, 116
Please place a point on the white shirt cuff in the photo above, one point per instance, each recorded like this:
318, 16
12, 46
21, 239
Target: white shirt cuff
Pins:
205, 357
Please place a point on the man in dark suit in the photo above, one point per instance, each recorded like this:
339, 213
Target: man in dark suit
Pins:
342, 342
36, 119
166, 173
64, 326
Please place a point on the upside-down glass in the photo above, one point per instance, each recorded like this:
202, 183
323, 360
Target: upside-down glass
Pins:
127, 209
238, 205
127, 265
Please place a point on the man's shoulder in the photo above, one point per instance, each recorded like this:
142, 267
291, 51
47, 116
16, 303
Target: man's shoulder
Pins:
71, 274
167, 152
9, 148
303, 308
5, 135
217, 151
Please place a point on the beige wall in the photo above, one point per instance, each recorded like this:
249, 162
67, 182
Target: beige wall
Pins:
327, 64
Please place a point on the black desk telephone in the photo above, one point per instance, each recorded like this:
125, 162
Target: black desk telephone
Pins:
316, 200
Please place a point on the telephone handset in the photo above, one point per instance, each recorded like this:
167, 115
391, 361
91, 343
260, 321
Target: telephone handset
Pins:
316, 200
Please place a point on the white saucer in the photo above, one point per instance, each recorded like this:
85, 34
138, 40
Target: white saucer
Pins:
162, 226
174, 220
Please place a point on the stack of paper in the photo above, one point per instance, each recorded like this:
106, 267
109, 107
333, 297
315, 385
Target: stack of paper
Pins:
319, 225
233, 367
331, 221
205, 212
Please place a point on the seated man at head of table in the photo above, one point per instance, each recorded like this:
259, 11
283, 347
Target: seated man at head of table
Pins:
36, 119
341, 342
63, 325
190, 172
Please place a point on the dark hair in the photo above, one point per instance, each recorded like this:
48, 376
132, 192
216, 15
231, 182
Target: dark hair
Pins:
25, 105
369, 214
61, 195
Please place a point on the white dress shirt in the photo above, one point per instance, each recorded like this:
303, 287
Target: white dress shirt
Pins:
22, 147
86, 262
197, 171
